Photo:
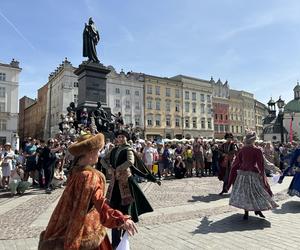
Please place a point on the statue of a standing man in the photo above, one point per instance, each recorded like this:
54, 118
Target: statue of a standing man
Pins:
90, 40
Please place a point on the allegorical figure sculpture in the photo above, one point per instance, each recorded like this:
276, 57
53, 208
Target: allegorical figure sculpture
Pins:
90, 40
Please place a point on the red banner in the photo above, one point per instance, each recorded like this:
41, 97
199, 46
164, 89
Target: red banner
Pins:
291, 130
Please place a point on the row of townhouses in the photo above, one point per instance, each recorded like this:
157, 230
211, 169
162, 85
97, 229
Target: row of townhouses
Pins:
174, 107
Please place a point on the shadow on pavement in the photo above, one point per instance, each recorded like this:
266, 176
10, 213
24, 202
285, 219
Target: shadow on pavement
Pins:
290, 207
232, 223
7, 194
208, 198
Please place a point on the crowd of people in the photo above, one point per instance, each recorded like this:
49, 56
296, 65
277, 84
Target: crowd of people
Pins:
47, 162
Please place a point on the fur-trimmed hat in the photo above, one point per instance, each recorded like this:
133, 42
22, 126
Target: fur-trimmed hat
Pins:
86, 143
123, 132
228, 135
250, 137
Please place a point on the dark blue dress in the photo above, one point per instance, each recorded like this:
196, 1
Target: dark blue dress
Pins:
294, 188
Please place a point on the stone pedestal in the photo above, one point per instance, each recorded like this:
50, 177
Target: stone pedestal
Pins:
91, 85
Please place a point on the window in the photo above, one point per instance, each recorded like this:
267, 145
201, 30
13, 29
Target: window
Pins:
216, 116
226, 117
137, 93
202, 108
209, 123
237, 129
216, 128
2, 77
168, 121
157, 90
157, 106
203, 123
231, 117
221, 128
2, 91
221, 117
149, 120
168, 92
117, 91
127, 91
157, 120
232, 129
241, 129
187, 107
137, 105
127, 119
202, 98
187, 123
177, 93
226, 128
208, 109
177, 122
2, 106
137, 121
177, 107
194, 107
118, 103
2, 125
149, 104
168, 106
194, 122
75, 84
194, 96
75, 99
127, 104
208, 98
149, 89
187, 95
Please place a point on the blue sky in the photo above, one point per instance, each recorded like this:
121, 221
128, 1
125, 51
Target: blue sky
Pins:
255, 45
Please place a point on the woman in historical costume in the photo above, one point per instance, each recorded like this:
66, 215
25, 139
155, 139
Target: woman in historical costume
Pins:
81, 216
294, 188
251, 190
123, 192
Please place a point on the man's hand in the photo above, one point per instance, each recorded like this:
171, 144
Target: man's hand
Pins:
130, 227
158, 182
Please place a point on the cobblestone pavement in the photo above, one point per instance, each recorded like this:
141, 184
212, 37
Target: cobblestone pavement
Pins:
177, 204
280, 230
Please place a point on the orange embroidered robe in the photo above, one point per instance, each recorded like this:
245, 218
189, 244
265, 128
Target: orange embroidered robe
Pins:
81, 215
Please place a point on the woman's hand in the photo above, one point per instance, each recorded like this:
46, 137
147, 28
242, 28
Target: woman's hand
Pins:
130, 227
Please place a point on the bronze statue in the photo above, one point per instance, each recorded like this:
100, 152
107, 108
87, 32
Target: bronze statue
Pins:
101, 118
90, 40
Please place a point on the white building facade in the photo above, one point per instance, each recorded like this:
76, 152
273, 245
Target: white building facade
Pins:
125, 94
9, 98
62, 90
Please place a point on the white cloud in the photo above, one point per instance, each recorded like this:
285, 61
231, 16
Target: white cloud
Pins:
17, 30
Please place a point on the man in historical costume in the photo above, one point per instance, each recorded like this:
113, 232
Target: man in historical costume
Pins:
90, 40
228, 151
123, 192
82, 214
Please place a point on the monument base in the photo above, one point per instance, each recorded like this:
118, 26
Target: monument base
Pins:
91, 84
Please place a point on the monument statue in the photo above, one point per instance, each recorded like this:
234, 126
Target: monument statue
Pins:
101, 118
90, 40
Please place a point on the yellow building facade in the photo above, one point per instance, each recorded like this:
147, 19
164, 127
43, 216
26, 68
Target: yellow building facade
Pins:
163, 108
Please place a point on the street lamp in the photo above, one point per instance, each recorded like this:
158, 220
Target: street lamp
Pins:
280, 105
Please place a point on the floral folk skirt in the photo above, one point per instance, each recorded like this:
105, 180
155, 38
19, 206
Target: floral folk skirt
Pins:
249, 193
294, 188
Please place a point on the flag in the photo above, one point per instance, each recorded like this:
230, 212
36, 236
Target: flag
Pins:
291, 130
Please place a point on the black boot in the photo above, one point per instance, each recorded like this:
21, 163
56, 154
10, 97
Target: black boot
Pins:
246, 215
259, 213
